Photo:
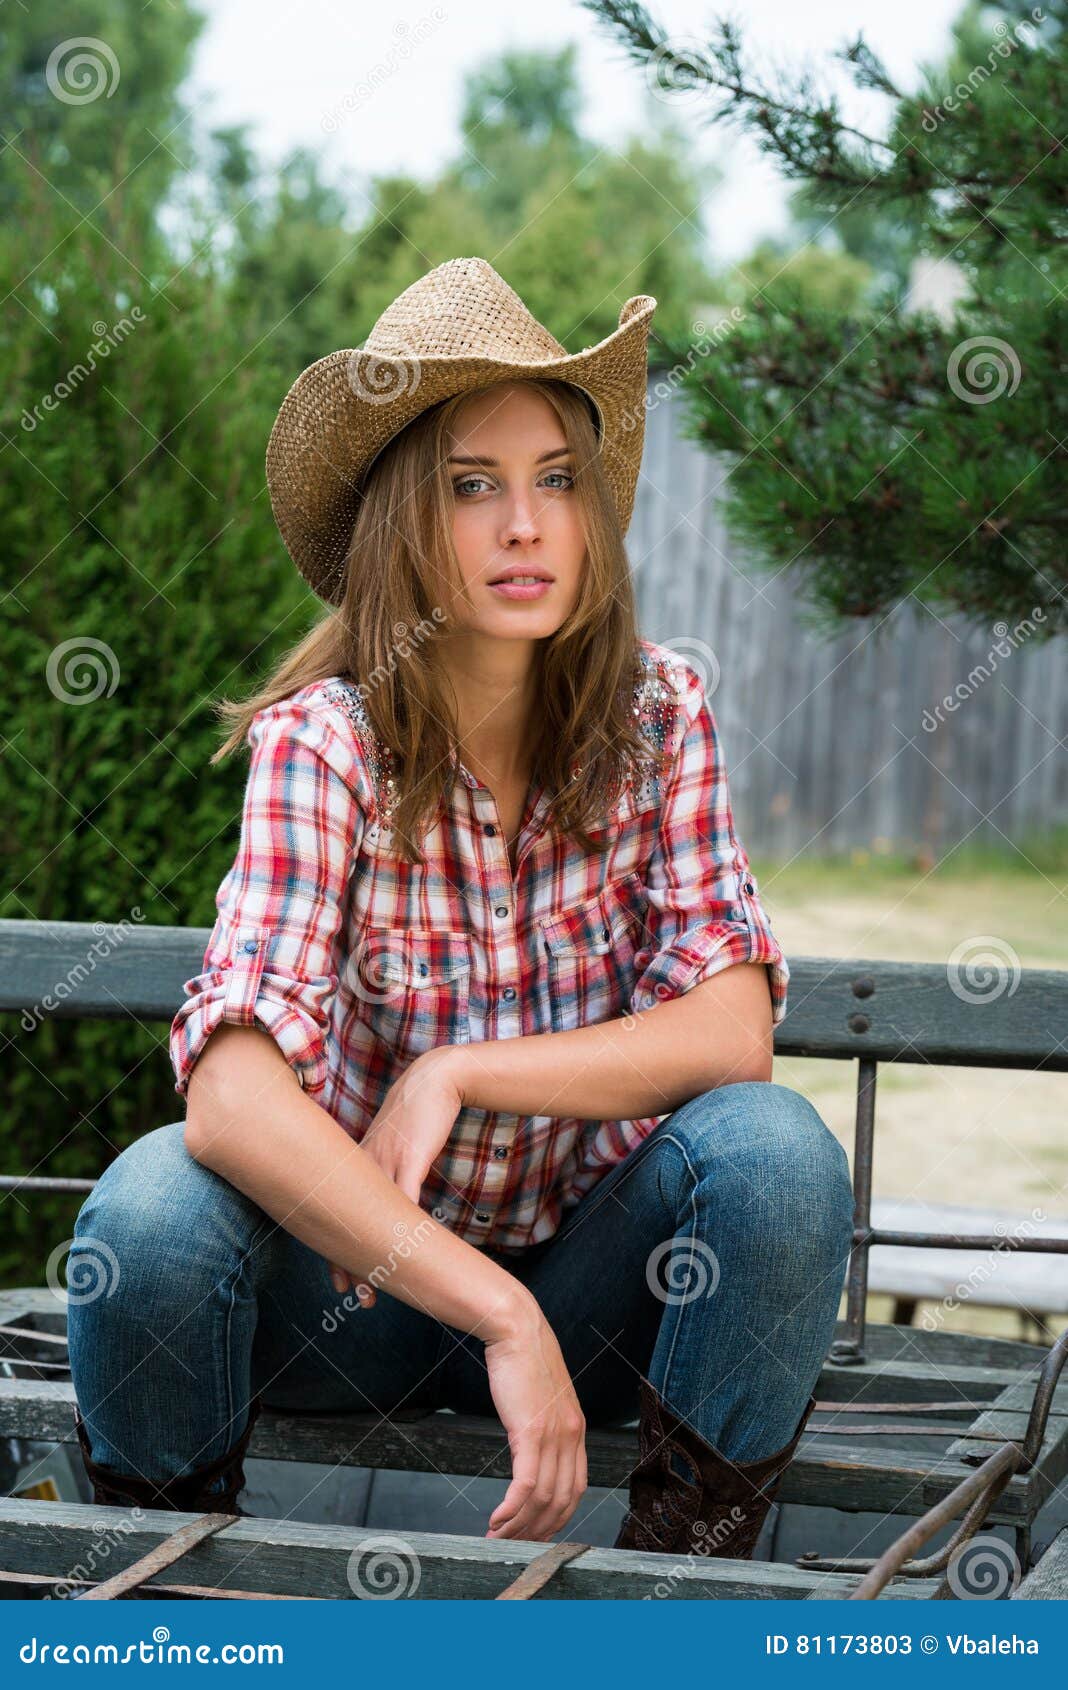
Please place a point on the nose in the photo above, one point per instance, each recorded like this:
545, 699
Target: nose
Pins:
520, 522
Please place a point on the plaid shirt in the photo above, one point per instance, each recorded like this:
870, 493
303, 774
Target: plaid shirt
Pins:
355, 962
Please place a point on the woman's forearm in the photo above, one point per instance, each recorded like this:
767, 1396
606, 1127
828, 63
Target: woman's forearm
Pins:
647, 1064
249, 1121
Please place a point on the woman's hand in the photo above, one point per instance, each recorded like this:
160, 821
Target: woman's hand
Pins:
534, 1396
417, 1115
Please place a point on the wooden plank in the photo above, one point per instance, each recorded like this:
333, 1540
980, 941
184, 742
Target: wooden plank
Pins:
1048, 1579
914, 1015
293, 1558
1016, 1279
828, 1472
71, 968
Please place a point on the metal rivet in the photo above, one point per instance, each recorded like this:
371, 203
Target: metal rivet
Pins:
859, 1023
864, 987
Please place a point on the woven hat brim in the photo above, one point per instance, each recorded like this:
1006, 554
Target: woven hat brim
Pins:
341, 411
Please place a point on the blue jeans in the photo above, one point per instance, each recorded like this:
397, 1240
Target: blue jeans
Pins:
711, 1259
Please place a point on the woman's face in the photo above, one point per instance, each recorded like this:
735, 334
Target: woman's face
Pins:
514, 508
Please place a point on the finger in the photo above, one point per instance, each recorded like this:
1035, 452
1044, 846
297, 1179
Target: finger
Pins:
538, 1522
524, 1478
529, 1519
564, 1498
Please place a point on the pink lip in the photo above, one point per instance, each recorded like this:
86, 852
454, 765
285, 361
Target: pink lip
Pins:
515, 590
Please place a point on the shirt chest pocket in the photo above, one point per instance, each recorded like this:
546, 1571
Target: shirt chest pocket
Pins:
590, 952
415, 987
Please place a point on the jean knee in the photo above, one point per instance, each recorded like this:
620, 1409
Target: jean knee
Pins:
774, 1145
157, 1216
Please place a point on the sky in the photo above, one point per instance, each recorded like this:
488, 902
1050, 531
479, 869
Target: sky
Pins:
378, 88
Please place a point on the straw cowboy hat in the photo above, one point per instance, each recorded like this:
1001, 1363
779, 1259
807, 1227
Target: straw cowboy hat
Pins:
457, 328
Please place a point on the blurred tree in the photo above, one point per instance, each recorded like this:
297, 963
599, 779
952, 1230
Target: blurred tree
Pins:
882, 452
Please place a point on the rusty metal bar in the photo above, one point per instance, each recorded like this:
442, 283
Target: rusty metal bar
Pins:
38, 1337
538, 1572
980, 1487
995, 1470
974, 1515
43, 1182
163, 1555
965, 1241
849, 1350
1043, 1400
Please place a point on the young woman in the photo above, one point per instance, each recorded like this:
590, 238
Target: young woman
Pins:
477, 1072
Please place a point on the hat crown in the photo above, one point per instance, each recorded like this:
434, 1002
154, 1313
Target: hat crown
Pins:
464, 309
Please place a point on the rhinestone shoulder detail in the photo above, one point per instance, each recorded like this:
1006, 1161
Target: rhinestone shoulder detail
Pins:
655, 702
378, 756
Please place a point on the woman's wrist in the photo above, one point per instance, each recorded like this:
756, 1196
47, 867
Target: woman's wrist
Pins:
448, 1064
515, 1314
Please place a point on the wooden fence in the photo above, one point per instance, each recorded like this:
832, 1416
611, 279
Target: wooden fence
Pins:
838, 743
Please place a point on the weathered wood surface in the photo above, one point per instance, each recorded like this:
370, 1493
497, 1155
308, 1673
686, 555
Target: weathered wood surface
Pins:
1048, 1581
1007, 1418
886, 1474
911, 1014
1014, 1279
890, 1472
290, 1558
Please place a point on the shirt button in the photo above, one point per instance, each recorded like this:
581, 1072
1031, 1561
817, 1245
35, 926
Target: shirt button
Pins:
605, 933
438, 1212
747, 885
250, 945
488, 827
500, 1151
480, 1216
502, 910
509, 993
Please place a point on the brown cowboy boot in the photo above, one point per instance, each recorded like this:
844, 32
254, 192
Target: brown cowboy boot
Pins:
713, 1506
188, 1494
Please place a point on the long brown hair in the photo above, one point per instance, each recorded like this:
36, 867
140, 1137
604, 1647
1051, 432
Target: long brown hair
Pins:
381, 637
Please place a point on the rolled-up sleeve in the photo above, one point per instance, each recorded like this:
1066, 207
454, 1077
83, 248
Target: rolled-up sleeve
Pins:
272, 958
704, 911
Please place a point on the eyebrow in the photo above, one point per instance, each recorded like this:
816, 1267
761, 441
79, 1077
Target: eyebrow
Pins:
493, 463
